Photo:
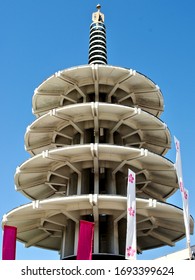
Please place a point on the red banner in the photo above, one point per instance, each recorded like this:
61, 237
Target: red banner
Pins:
9, 243
85, 242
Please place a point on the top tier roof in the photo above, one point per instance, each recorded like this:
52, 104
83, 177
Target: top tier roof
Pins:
98, 83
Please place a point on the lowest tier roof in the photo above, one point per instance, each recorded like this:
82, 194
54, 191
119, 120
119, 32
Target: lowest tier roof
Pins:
41, 223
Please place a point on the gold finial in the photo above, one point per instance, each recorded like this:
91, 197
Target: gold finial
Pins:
98, 17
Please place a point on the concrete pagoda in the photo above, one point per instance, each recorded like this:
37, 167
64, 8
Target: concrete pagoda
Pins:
93, 123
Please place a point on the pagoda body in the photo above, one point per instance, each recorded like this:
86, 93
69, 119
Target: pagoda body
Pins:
94, 122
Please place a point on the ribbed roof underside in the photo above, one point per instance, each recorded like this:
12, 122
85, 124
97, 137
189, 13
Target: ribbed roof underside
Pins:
45, 174
61, 126
94, 82
41, 223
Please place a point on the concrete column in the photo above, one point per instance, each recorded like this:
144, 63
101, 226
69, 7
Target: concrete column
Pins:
96, 238
73, 184
96, 183
76, 238
116, 241
79, 184
110, 234
63, 242
110, 182
70, 238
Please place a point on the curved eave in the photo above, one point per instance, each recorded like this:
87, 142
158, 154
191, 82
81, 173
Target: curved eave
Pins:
41, 223
32, 178
153, 134
75, 83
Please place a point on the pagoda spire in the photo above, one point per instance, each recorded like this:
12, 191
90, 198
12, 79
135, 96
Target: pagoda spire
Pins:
97, 41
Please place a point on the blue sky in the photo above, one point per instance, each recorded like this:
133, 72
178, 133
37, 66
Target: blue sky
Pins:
38, 38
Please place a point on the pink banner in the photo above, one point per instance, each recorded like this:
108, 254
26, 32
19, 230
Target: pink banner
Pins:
9, 243
85, 243
131, 238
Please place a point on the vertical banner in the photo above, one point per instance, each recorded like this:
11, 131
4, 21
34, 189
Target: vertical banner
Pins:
184, 192
131, 237
9, 243
85, 242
